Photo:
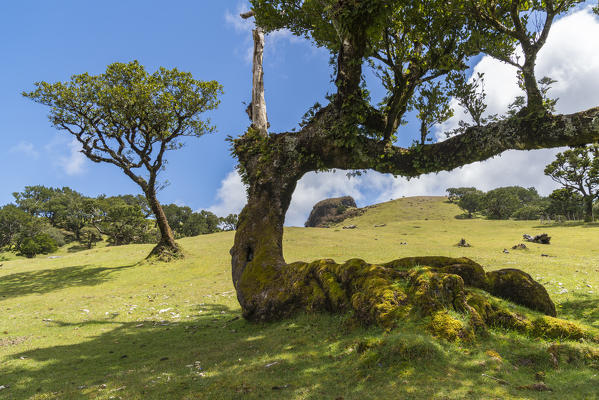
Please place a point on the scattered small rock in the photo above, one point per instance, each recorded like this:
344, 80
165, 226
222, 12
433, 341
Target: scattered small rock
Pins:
164, 359
53, 257
520, 246
505, 251
546, 255
376, 226
463, 243
2, 387
280, 387
403, 243
271, 364
350, 227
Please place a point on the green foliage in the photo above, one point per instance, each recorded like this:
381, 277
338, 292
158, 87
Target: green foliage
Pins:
471, 201
577, 170
129, 104
502, 202
528, 212
62, 208
89, 236
519, 102
122, 223
39, 244
455, 194
230, 222
432, 105
12, 222
565, 202
184, 222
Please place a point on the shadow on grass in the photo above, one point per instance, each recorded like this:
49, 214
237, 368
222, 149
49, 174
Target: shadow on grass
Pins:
48, 280
584, 309
568, 225
221, 356
77, 248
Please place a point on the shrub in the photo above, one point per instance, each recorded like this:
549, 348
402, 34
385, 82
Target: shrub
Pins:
39, 244
529, 212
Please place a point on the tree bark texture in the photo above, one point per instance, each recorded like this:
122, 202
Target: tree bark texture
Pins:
258, 106
166, 248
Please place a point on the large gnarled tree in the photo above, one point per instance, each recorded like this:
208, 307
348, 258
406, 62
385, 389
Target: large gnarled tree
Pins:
410, 44
130, 118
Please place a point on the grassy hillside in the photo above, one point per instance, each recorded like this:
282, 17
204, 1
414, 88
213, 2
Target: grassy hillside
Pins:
99, 324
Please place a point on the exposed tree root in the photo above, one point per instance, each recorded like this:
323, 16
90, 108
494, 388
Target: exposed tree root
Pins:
453, 297
165, 252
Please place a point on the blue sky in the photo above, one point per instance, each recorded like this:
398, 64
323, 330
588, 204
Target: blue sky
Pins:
50, 41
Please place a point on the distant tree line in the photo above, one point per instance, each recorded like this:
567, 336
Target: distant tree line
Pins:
519, 203
45, 218
576, 170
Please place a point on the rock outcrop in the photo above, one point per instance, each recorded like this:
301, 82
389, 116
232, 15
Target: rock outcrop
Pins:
332, 211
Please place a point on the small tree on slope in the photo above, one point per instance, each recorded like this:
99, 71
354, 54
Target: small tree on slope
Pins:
130, 118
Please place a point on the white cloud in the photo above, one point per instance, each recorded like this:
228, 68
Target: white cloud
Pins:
571, 56
231, 196
239, 24
74, 162
26, 148
245, 27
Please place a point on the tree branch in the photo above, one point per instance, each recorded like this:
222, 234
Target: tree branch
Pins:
478, 143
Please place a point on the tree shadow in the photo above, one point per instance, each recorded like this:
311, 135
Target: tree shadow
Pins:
48, 280
76, 248
221, 356
568, 225
585, 308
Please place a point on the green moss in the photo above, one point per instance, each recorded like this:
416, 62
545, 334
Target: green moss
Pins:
519, 287
429, 261
445, 326
494, 315
555, 328
432, 291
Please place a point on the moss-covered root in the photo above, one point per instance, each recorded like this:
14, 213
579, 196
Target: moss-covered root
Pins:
375, 294
388, 294
511, 284
165, 253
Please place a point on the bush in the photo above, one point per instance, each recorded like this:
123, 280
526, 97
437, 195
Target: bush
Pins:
39, 244
56, 235
530, 212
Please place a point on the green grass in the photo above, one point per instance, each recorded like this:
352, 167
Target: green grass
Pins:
100, 324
